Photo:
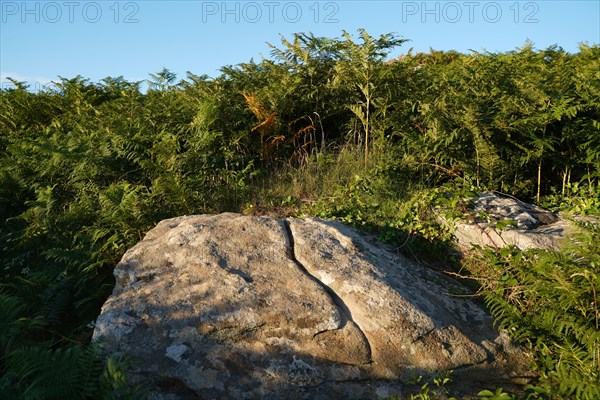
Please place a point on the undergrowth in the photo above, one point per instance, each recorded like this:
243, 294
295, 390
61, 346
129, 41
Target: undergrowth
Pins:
548, 301
326, 128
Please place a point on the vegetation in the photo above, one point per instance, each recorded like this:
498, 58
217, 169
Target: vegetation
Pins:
327, 127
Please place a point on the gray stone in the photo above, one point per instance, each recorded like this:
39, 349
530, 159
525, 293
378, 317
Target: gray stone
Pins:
532, 226
499, 206
233, 306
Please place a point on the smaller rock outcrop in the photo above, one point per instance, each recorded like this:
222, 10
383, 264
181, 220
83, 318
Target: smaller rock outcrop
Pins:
238, 307
499, 220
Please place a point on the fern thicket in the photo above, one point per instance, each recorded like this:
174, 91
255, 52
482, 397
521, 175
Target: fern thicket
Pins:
548, 300
327, 126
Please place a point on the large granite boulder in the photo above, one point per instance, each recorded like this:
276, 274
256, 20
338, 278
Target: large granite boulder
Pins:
240, 307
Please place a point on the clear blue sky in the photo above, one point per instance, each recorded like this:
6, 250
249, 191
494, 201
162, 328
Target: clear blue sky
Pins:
40, 40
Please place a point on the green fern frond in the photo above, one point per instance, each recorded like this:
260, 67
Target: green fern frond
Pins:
39, 373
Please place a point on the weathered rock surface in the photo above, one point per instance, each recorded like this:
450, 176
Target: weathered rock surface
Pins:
534, 227
241, 307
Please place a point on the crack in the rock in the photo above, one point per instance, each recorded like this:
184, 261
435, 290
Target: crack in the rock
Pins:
345, 313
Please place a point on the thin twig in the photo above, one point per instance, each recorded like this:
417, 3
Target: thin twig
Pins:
63, 337
463, 208
446, 170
